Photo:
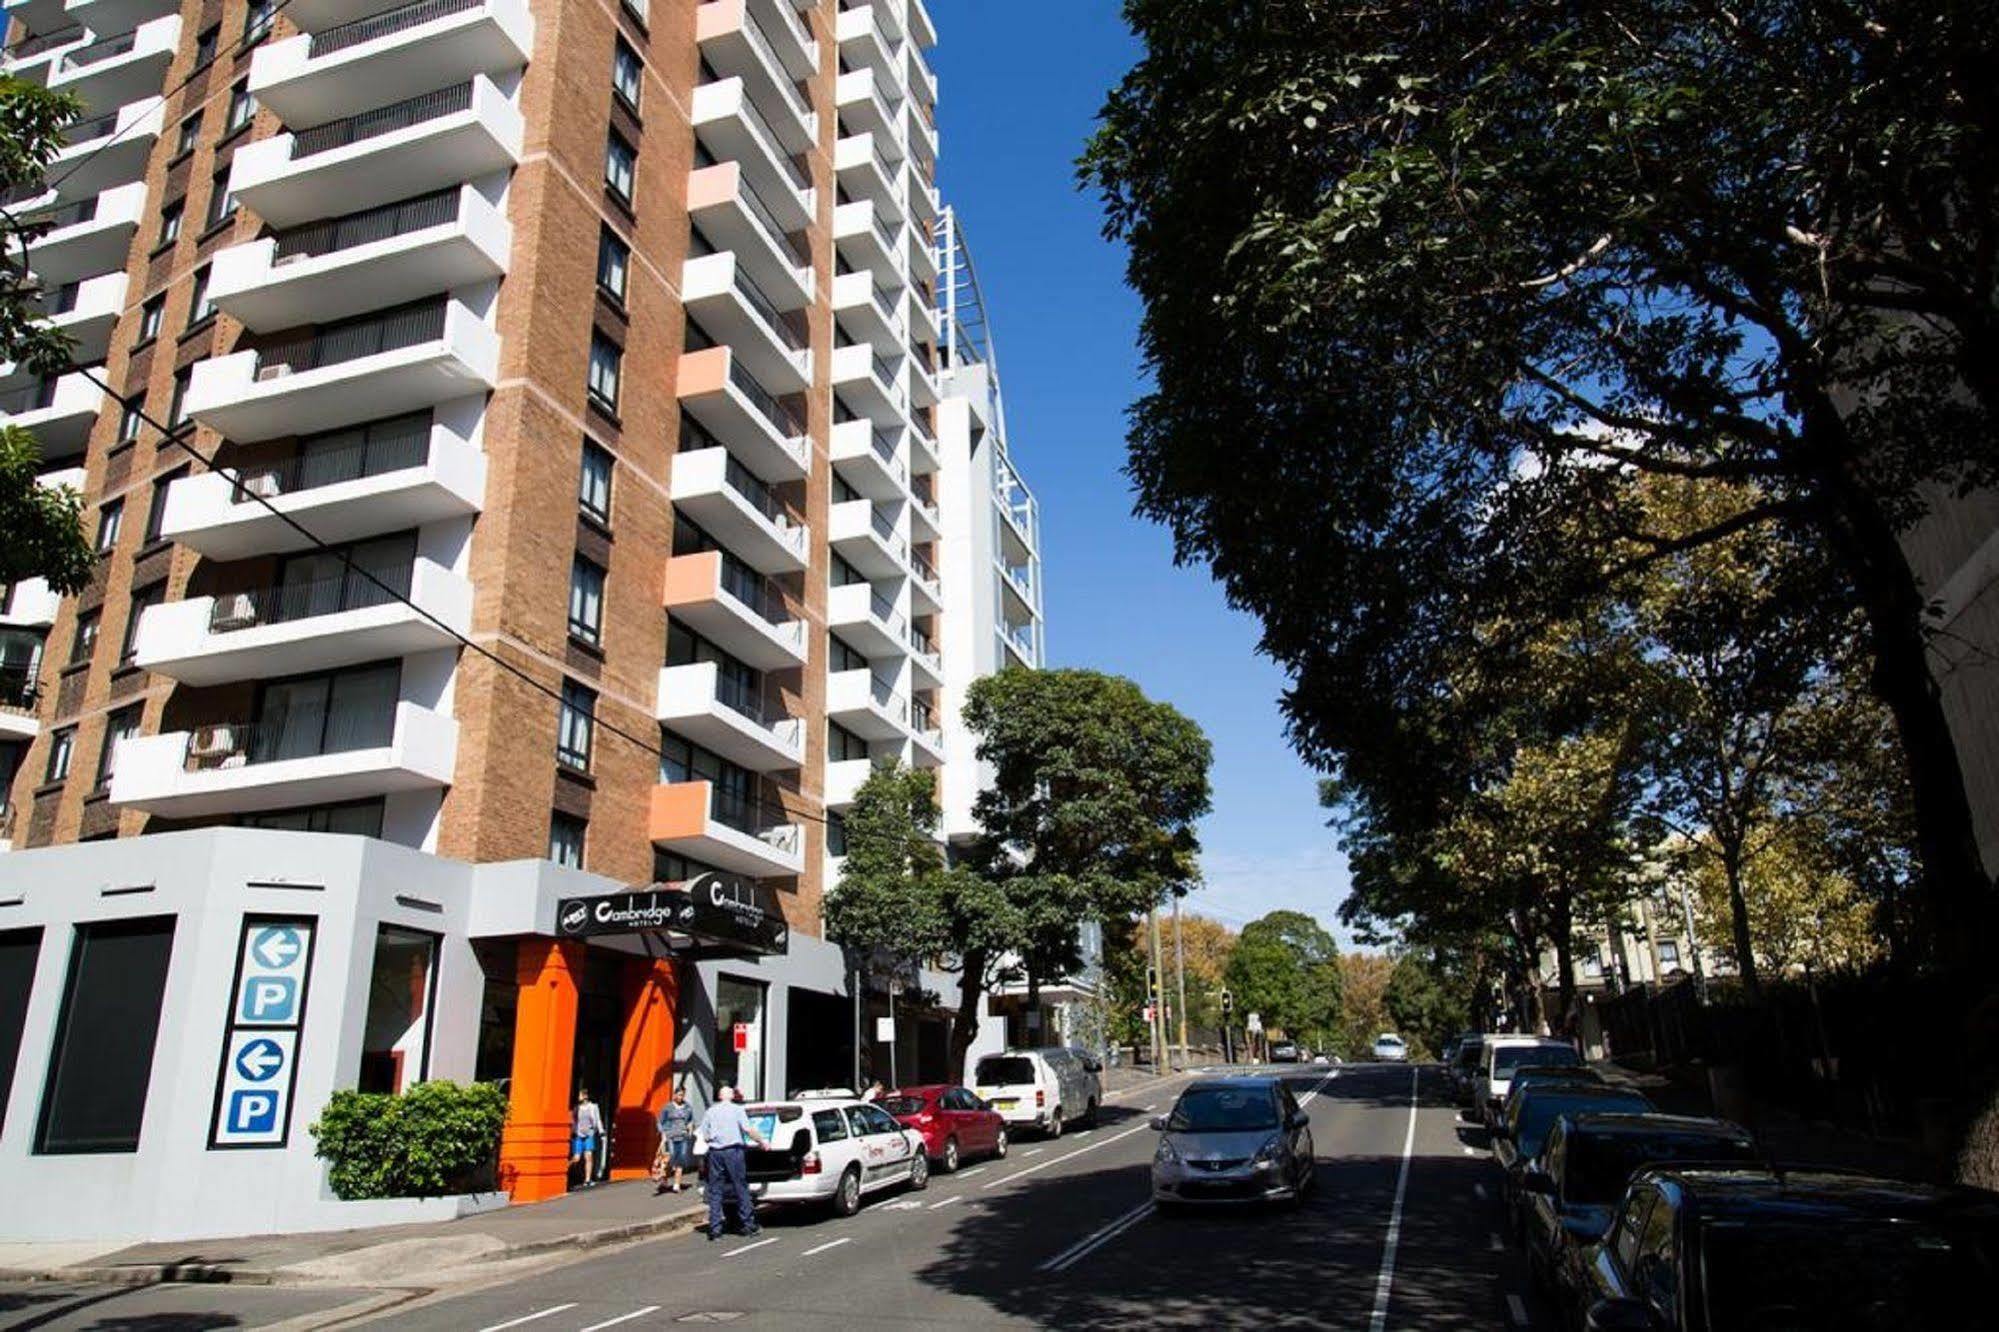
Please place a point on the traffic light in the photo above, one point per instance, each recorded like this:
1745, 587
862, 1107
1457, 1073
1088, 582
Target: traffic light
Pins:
1152, 980
1228, 1001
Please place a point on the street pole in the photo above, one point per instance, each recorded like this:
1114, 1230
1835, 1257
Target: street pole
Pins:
1158, 993
1180, 966
893, 1081
1693, 945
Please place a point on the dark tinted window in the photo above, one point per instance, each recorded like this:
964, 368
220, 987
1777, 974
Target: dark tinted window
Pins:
829, 1125
1223, 1110
1854, 1275
1004, 1071
1539, 1110
103, 1056
903, 1105
1600, 1165
18, 950
1507, 1058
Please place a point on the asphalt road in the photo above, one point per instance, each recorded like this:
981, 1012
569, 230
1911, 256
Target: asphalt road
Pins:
53, 1307
1061, 1234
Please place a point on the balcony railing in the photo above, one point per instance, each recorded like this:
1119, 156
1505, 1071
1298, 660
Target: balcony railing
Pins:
28, 398
90, 131
884, 370
922, 642
307, 733
761, 41
884, 301
885, 611
47, 41
766, 310
759, 493
754, 590
776, 145
382, 120
884, 233
69, 214
329, 40
98, 52
924, 568
339, 343
374, 456
921, 716
783, 418
766, 219
63, 299
742, 700
367, 226
886, 531
346, 591
745, 813
884, 445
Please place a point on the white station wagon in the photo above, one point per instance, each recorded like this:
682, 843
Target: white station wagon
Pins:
830, 1149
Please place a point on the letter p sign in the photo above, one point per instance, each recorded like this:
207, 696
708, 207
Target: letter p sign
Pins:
268, 999
253, 1112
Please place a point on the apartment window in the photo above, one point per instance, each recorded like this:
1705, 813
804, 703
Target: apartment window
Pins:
842, 745
131, 416
151, 314
627, 75
565, 839
205, 43
19, 950
360, 818
593, 487
85, 641
586, 601
188, 134
170, 223
836, 834
221, 203
257, 24
177, 405
639, 8
841, 655
198, 307
101, 1063
614, 259
1669, 953
156, 508
620, 166
143, 600
576, 726
606, 359
110, 522
62, 747
242, 106
122, 726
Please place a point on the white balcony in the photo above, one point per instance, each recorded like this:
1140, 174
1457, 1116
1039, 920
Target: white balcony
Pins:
866, 99
89, 237
719, 292
789, 34
844, 777
58, 413
922, 30
720, 392
113, 70
866, 705
34, 59
743, 616
922, 203
290, 391
922, 380
923, 320
32, 605
867, 309
316, 15
922, 254
737, 510
404, 149
923, 456
288, 631
926, 664
351, 67
867, 620
926, 591
724, 830
866, 539
736, 44
728, 123
867, 382
38, 15
326, 271
107, 150
869, 457
233, 769
864, 43
94, 306
863, 173
361, 491
697, 702
722, 201
865, 234
18, 722
105, 17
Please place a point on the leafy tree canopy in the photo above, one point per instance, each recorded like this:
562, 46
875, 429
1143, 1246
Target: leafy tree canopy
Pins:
1285, 967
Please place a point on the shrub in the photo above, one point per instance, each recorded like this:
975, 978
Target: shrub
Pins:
436, 1138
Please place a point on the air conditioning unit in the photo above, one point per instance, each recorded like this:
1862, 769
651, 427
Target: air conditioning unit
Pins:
237, 610
298, 258
277, 371
212, 742
265, 484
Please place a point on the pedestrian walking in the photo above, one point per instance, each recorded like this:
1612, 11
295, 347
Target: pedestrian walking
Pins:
676, 1140
585, 1132
874, 1091
729, 1133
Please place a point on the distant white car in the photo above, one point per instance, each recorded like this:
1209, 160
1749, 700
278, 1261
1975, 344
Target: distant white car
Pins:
1390, 1048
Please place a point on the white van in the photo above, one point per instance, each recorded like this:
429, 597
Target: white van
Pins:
1041, 1089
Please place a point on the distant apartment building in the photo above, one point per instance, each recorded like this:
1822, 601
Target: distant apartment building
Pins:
580, 501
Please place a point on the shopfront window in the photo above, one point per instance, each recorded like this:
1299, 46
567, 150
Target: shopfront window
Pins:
740, 1003
395, 1051
94, 1099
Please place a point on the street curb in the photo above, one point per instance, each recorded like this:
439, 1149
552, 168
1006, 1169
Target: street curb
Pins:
157, 1274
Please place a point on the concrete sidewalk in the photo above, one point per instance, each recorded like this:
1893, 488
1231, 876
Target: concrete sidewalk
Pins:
384, 1256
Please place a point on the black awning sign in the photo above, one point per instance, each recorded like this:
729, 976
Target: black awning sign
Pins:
708, 910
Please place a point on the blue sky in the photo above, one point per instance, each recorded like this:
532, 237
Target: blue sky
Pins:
1020, 84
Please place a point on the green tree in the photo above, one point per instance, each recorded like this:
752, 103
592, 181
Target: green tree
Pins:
1285, 967
1427, 1008
1804, 913
1091, 810
1423, 284
43, 523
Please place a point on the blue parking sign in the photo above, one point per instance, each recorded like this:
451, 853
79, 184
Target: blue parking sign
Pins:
252, 1113
261, 1033
268, 999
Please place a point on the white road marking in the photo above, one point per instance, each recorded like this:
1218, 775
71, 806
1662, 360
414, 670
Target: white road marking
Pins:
1096, 1239
967, 1174
1067, 1156
1144, 1108
1034, 1151
1471, 1151
623, 1318
822, 1248
1386, 1282
956, 1197
1478, 1191
1516, 1311
516, 1322
737, 1253
1495, 1243
899, 1205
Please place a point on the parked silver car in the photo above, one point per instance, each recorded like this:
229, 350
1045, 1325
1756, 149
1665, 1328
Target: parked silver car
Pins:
1233, 1140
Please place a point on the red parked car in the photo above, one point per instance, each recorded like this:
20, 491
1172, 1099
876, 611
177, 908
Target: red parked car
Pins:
954, 1123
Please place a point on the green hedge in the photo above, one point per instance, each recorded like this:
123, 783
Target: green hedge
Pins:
436, 1138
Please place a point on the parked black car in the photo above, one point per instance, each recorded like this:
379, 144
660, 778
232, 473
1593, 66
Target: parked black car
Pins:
1567, 1200
1694, 1250
1524, 1132
1463, 1067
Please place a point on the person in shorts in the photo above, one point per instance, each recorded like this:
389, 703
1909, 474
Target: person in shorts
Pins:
676, 1141
586, 1131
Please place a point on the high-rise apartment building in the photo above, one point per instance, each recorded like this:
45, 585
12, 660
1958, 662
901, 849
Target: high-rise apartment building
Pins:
568, 511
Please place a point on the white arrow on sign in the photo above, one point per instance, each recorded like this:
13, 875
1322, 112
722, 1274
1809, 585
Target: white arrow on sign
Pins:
276, 947
259, 1060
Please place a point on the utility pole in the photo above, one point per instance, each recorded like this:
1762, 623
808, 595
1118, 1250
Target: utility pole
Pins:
1180, 966
1158, 991
1693, 945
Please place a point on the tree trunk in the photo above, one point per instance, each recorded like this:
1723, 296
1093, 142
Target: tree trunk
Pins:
1562, 926
1738, 921
965, 1018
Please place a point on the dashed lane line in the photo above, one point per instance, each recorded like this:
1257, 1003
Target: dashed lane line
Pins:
750, 1248
967, 1174
528, 1318
822, 1248
956, 1197
1034, 1151
623, 1318
1386, 1282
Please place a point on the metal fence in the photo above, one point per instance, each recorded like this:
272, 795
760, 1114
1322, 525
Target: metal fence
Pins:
305, 733
369, 225
373, 456
338, 343
350, 589
382, 120
385, 24
98, 52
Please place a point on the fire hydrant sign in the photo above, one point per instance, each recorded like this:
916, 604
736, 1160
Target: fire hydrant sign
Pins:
253, 1092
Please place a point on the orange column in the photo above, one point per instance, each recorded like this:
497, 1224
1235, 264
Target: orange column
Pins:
534, 1150
645, 1063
